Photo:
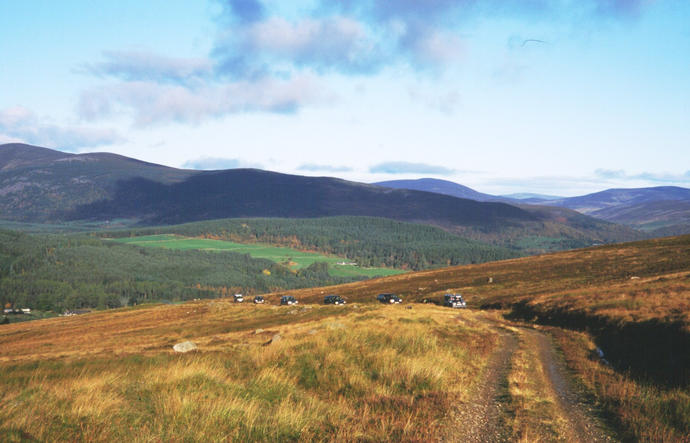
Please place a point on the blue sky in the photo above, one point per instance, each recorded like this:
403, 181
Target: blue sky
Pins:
550, 96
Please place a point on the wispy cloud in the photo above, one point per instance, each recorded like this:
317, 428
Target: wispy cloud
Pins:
655, 177
409, 168
333, 43
311, 167
148, 66
152, 103
445, 101
23, 124
215, 163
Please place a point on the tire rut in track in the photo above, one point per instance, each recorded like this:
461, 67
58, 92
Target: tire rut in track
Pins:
580, 424
482, 418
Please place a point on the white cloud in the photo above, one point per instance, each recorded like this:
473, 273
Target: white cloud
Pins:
410, 168
20, 123
311, 167
215, 163
152, 103
336, 42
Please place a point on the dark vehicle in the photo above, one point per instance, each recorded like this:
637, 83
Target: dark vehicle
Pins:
388, 298
288, 300
333, 300
239, 298
259, 299
454, 301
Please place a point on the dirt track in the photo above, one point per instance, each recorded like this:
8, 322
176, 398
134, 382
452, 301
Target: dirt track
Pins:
482, 419
486, 418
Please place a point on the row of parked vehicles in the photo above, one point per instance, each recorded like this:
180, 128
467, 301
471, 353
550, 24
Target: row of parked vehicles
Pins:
289, 300
450, 300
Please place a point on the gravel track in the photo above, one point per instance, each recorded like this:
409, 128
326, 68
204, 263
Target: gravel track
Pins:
581, 426
482, 419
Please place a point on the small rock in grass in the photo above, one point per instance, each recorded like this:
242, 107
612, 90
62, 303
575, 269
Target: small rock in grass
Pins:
185, 346
258, 331
275, 338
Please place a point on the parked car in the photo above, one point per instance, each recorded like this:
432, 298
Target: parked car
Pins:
333, 300
259, 299
454, 301
239, 298
288, 300
388, 298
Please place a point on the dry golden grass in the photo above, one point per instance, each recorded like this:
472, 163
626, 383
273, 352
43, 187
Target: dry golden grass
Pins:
535, 415
337, 373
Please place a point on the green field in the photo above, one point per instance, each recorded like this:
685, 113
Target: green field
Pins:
290, 257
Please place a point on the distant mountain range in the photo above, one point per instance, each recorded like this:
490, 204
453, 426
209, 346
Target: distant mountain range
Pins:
530, 196
42, 185
442, 187
662, 210
457, 190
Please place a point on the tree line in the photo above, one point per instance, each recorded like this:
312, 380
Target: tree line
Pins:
59, 272
369, 241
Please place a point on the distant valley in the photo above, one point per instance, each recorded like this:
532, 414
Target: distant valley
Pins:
659, 211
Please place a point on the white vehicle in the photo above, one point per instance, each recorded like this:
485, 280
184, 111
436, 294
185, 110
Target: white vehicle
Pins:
239, 298
288, 300
259, 299
389, 298
454, 301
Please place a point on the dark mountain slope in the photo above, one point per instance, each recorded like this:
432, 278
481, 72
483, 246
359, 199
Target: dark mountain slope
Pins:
19, 155
255, 193
36, 183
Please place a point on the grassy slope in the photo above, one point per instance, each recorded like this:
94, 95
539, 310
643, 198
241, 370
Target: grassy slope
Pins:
370, 241
257, 250
338, 373
629, 282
